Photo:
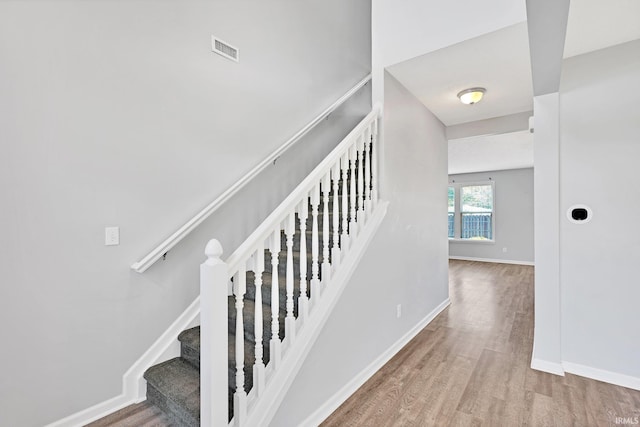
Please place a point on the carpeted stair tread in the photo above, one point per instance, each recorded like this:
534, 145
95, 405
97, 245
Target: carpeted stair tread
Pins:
174, 386
191, 338
190, 346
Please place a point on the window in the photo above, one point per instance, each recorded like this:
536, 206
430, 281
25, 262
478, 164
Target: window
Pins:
452, 210
476, 212
471, 211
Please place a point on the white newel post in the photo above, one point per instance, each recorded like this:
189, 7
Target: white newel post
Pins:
214, 384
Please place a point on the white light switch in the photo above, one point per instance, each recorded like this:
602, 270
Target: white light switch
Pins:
111, 236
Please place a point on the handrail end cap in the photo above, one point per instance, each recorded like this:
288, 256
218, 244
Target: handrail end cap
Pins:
213, 249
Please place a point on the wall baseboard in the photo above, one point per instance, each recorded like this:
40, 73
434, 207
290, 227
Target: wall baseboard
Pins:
499, 261
133, 383
602, 375
546, 366
93, 413
345, 392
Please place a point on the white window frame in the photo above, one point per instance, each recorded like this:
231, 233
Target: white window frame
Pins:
457, 217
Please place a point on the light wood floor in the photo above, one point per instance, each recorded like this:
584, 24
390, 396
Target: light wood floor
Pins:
470, 367
138, 415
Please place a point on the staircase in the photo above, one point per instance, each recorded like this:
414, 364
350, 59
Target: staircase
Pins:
174, 385
261, 309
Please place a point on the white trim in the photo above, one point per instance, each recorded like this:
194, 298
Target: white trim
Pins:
498, 261
93, 413
474, 241
133, 384
164, 348
602, 375
546, 366
265, 409
348, 389
157, 253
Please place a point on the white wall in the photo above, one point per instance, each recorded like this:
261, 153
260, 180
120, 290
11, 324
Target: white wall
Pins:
513, 204
405, 264
118, 113
599, 153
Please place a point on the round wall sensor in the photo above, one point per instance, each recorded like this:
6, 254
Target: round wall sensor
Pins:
579, 214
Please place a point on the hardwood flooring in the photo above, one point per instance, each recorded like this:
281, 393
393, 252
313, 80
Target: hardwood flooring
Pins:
138, 415
470, 367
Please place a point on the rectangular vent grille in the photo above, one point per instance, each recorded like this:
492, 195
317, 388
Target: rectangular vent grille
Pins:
225, 49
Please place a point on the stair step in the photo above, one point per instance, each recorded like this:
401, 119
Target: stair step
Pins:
190, 351
190, 346
174, 386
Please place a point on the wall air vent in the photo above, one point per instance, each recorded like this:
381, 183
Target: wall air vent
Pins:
225, 49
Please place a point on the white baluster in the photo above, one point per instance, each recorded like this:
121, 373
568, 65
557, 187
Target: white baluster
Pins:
326, 265
275, 343
344, 166
315, 281
240, 396
289, 322
258, 368
335, 251
214, 345
360, 151
352, 192
374, 163
303, 300
367, 171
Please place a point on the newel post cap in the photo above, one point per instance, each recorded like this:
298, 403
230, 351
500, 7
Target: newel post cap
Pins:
213, 250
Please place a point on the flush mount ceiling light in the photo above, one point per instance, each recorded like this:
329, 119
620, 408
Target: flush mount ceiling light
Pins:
471, 96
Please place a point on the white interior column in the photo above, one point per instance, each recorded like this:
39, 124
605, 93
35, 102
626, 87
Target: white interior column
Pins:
547, 354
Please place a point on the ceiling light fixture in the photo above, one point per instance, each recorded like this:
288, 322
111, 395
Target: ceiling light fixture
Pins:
471, 96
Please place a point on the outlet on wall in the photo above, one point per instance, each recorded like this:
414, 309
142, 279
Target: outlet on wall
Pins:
111, 236
504, 249
399, 311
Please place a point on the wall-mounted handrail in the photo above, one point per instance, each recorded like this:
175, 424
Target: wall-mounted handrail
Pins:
157, 253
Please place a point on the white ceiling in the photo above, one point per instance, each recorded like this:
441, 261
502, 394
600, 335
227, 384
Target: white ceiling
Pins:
498, 61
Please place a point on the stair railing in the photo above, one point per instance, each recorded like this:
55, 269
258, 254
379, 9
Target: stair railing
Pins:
337, 199
165, 246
